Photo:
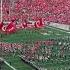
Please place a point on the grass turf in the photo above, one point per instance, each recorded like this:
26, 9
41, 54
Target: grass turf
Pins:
16, 62
27, 36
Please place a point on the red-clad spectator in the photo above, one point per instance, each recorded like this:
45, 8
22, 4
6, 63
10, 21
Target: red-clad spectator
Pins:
11, 28
1, 25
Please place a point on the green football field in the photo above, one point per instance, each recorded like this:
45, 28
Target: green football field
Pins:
16, 62
27, 36
32, 35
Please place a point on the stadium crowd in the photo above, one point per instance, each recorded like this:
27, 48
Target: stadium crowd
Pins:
52, 11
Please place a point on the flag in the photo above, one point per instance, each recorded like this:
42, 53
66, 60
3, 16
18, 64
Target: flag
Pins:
11, 27
36, 24
4, 28
1, 25
39, 23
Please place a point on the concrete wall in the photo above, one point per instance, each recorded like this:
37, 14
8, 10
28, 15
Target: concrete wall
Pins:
61, 26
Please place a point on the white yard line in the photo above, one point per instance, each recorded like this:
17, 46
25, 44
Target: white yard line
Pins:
8, 64
45, 34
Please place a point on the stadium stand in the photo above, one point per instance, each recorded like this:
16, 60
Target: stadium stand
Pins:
46, 48
53, 10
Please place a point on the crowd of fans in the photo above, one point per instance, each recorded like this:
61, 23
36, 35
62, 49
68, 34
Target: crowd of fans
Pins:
52, 11
44, 49
20, 45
